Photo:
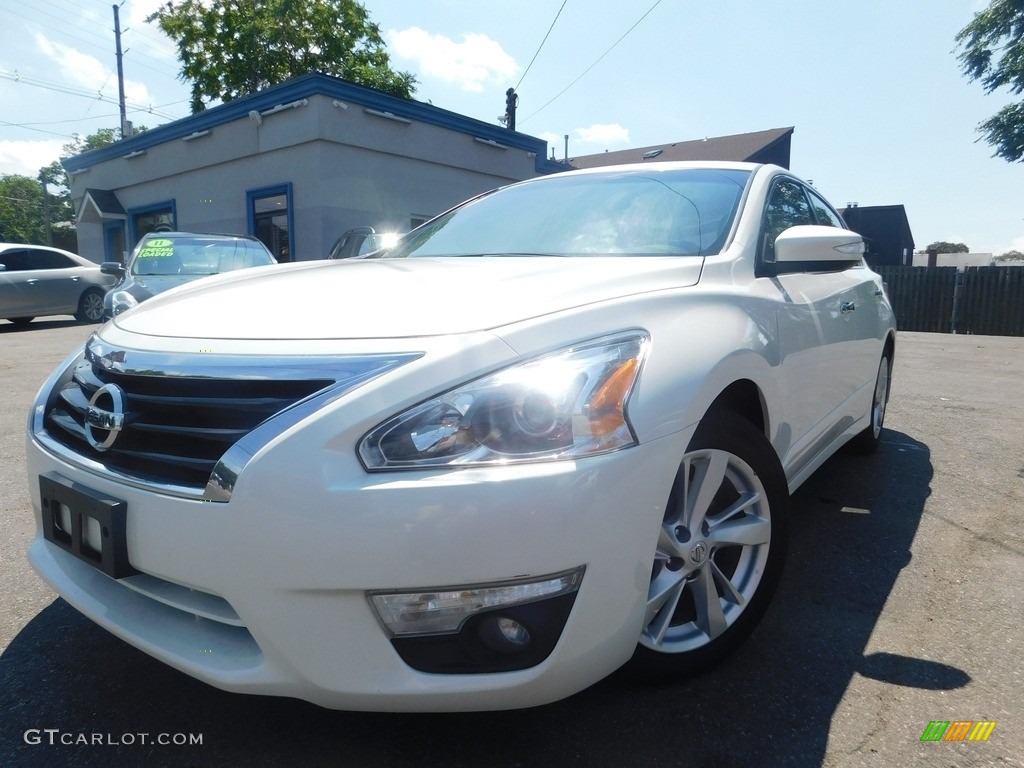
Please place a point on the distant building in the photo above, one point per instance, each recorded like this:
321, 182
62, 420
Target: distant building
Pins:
296, 165
886, 233
958, 260
771, 146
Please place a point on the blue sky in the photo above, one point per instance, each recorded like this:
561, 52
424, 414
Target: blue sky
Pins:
881, 112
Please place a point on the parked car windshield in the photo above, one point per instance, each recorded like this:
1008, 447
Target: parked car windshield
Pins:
197, 255
677, 212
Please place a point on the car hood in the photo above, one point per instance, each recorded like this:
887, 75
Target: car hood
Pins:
393, 298
144, 286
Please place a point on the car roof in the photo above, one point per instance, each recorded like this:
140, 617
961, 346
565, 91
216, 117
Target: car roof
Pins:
670, 165
178, 233
36, 245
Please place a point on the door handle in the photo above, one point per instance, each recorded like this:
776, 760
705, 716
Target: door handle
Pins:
847, 307
74, 278
32, 280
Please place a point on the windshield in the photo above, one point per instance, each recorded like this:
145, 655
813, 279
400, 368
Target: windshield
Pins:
679, 212
197, 255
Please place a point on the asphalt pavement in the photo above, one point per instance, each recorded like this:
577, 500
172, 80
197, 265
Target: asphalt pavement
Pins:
900, 606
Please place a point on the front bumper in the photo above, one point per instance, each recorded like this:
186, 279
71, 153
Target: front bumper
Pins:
268, 593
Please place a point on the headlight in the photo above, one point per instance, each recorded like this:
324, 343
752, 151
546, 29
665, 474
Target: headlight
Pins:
122, 301
562, 406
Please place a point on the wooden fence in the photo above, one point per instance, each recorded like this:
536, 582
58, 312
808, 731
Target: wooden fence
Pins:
979, 300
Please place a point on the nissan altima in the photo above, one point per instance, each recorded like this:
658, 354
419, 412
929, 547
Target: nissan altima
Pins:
551, 432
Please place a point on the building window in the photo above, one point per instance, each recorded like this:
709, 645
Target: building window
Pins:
113, 241
270, 219
160, 217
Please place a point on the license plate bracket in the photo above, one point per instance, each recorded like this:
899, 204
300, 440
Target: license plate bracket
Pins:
88, 524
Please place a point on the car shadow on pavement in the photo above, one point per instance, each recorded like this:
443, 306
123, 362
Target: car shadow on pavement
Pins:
771, 704
36, 325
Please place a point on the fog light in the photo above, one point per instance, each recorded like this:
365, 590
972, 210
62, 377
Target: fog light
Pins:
517, 637
504, 635
445, 610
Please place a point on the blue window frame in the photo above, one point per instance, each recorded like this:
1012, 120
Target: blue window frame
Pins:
271, 218
114, 246
157, 217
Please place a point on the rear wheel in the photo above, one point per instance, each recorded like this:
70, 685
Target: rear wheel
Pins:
720, 551
90, 306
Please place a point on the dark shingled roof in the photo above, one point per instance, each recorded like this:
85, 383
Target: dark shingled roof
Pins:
771, 146
105, 201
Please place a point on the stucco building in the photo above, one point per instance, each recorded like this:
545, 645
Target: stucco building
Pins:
296, 165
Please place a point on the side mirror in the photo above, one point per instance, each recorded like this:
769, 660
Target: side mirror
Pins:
809, 242
115, 268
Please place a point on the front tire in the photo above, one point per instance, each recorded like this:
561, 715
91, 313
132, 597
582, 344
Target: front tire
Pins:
90, 306
720, 551
868, 440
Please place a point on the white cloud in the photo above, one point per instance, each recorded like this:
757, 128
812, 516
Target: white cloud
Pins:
27, 157
1017, 244
555, 142
90, 73
138, 10
471, 64
148, 35
603, 134
81, 68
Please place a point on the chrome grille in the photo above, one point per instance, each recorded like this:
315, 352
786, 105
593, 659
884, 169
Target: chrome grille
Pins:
186, 425
176, 429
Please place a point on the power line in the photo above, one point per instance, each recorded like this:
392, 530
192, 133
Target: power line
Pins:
103, 43
28, 127
70, 91
570, 85
541, 44
61, 20
156, 41
54, 122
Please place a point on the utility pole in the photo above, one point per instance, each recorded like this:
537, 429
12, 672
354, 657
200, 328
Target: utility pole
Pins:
511, 100
47, 229
125, 131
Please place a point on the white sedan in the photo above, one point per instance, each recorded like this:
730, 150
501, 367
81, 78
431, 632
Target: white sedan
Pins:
550, 432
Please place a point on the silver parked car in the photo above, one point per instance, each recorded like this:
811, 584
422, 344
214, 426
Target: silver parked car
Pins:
361, 241
37, 280
165, 260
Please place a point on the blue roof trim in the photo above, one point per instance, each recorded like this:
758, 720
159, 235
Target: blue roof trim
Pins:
313, 85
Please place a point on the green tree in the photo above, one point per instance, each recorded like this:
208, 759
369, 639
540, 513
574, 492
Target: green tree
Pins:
943, 247
21, 210
102, 138
232, 48
1010, 256
61, 208
993, 52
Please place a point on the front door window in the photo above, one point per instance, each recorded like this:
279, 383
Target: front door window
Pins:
158, 220
270, 219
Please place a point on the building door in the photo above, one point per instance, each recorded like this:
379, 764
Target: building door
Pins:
270, 219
